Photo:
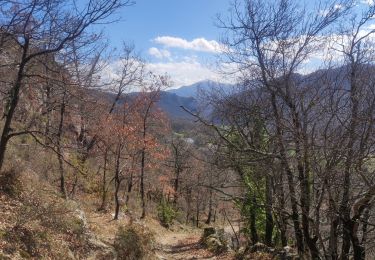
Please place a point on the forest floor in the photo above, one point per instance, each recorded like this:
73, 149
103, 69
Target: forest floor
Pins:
179, 242
58, 229
182, 245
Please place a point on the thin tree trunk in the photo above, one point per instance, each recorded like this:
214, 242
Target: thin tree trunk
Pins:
103, 205
117, 183
291, 185
197, 213
129, 190
253, 227
14, 97
269, 217
59, 150
142, 184
176, 184
48, 115
208, 221
344, 207
188, 204
283, 218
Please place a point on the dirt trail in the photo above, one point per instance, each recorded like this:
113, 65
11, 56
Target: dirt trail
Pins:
183, 245
178, 245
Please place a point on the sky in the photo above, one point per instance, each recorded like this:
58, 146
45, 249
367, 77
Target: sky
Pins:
178, 37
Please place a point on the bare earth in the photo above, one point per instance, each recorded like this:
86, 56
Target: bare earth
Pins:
183, 245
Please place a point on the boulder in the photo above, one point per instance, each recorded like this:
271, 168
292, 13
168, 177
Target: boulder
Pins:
214, 239
214, 244
288, 253
260, 247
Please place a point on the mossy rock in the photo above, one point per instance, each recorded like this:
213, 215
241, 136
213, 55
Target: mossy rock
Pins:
214, 244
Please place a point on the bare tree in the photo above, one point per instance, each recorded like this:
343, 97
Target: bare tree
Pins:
42, 27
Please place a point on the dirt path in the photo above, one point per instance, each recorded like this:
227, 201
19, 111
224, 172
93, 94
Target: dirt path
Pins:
183, 245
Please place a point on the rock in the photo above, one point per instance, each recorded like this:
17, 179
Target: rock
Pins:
288, 254
82, 216
214, 244
259, 247
241, 250
100, 249
214, 239
287, 249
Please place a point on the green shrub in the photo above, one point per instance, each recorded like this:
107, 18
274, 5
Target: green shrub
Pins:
133, 243
166, 213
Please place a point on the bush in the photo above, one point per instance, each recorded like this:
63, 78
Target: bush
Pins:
10, 183
166, 214
26, 239
133, 243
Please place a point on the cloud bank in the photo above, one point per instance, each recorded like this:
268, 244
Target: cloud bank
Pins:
160, 54
198, 44
184, 73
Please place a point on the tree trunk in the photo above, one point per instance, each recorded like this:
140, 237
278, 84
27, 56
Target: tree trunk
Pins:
333, 235
48, 115
269, 217
188, 204
344, 207
253, 227
290, 178
283, 219
176, 184
117, 183
14, 97
129, 190
208, 221
197, 213
59, 150
103, 205
142, 184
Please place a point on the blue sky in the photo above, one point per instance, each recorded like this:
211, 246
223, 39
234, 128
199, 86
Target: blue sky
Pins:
148, 19
178, 37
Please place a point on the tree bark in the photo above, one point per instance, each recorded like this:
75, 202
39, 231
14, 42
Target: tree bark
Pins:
268, 209
143, 199
59, 150
103, 205
117, 182
14, 98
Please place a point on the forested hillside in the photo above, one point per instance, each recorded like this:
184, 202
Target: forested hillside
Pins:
100, 159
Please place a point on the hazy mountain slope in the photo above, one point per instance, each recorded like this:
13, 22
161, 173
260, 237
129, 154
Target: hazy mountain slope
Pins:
194, 89
171, 104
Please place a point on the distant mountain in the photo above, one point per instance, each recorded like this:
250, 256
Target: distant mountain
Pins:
171, 101
171, 104
194, 89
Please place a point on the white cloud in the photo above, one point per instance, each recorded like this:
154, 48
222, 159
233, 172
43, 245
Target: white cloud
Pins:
160, 54
368, 2
198, 44
184, 72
